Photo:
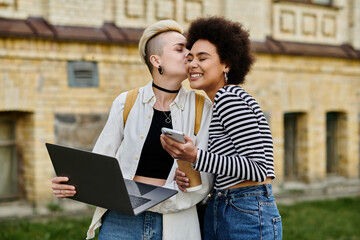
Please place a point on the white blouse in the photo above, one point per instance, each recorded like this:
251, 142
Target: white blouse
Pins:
179, 212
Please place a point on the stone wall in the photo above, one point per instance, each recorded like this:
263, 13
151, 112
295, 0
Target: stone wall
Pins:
311, 86
78, 130
34, 82
290, 20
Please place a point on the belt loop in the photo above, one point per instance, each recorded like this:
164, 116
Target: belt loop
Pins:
268, 191
210, 195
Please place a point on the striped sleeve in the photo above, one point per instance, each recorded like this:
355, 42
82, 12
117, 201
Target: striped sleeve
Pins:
238, 119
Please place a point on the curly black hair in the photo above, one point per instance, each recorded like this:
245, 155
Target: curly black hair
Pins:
231, 41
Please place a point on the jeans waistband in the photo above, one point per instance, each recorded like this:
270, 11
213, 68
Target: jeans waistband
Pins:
259, 190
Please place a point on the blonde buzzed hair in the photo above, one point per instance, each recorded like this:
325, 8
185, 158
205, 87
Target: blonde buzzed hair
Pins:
147, 46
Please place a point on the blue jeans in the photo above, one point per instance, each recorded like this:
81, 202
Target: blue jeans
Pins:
248, 213
146, 226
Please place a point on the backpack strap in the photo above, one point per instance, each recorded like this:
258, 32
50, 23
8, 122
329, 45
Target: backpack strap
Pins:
129, 103
199, 105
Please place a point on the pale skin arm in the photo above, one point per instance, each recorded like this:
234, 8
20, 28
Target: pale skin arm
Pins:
185, 151
60, 189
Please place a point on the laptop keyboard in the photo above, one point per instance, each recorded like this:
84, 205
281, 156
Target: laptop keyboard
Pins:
137, 201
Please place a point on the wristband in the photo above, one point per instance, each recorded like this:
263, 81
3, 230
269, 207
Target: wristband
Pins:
197, 158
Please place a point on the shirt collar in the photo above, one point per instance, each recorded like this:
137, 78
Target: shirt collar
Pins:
179, 101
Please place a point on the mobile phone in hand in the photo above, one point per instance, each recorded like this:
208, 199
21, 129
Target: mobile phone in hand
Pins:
174, 134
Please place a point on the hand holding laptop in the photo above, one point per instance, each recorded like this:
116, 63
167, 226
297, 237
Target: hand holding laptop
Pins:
84, 169
60, 189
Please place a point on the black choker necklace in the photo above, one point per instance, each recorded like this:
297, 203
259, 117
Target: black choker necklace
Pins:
164, 89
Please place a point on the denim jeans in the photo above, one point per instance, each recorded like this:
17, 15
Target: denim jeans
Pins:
248, 213
146, 226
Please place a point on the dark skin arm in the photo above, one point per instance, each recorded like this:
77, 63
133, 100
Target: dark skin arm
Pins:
181, 180
185, 151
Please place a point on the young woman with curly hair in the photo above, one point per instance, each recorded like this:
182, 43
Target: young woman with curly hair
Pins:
240, 147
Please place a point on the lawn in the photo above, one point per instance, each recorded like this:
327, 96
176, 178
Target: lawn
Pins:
62, 228
320, 220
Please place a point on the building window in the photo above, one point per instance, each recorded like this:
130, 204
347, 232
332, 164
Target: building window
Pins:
295, 146
8, 160
290, 137
332, 153
323, 2
337, 142
82, 74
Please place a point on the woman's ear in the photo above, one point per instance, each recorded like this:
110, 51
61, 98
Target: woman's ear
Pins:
227, 69
155, 61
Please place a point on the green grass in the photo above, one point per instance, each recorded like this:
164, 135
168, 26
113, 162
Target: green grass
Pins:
63, 228
319, 220
322, 220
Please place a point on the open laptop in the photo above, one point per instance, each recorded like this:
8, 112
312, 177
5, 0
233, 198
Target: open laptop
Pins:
98, 181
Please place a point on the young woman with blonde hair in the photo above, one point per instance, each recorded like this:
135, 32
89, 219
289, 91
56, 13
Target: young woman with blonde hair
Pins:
163, 102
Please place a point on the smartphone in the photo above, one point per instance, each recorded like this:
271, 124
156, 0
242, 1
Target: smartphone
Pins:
173, 134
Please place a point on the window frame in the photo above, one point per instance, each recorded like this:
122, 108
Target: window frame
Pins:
82, 66
12, 143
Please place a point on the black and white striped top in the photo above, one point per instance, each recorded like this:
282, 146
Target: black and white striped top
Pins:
240, 142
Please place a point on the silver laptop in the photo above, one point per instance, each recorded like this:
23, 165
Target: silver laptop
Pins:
98, 181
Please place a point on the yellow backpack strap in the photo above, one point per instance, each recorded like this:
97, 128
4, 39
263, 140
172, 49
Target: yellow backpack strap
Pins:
129, 103
199, 105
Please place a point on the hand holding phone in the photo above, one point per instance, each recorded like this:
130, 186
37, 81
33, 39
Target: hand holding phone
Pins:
173, 134
184, 166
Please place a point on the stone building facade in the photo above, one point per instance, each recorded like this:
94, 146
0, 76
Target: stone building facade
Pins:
63, 62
